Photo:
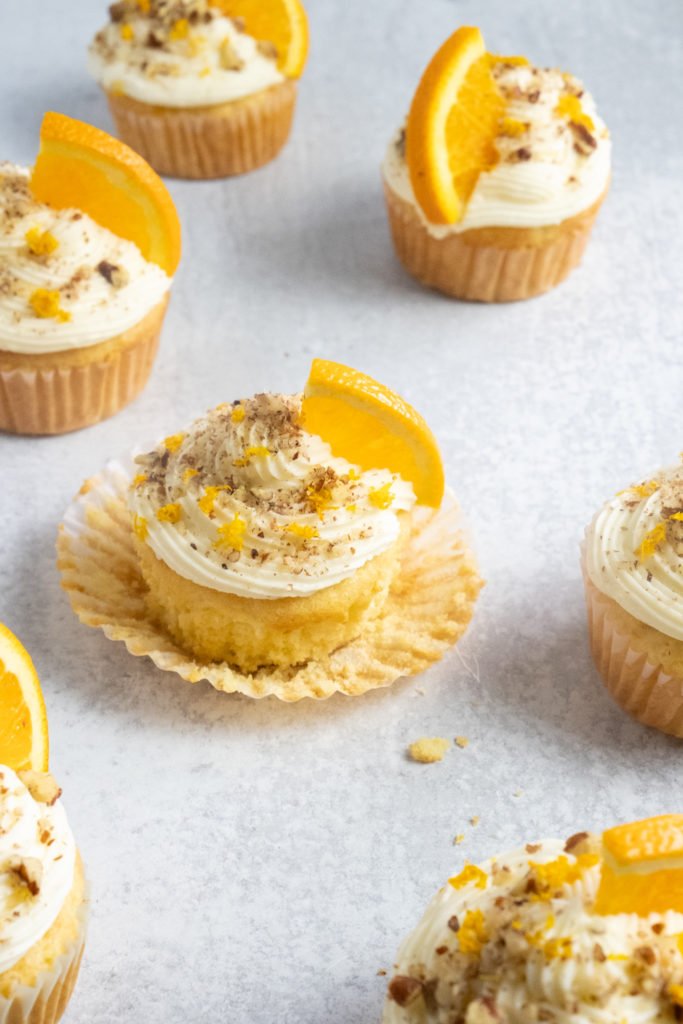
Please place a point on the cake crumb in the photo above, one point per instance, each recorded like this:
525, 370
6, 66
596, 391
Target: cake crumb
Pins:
518, 792
474, 820
461, 741
460, 838
428, 749
381, 973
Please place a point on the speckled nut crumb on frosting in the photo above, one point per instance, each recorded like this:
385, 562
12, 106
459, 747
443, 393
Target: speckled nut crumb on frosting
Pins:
633, 570
190, 89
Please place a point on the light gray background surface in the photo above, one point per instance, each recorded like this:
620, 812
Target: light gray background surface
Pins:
253, 862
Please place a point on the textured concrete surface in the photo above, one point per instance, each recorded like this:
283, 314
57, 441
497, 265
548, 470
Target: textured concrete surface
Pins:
254, 862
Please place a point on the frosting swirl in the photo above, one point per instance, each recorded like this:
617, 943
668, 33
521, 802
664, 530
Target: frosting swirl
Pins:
634, 552
185, 54
65, 281
249, 503
516, 940
550, 167
37, 861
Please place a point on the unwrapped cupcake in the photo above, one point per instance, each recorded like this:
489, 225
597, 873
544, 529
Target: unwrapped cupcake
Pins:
633, 572
89, 241
202, 88
577, 931
493, 184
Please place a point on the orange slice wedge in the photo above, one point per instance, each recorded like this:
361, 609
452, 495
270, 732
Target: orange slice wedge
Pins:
642, 867
452, 126
281, 22
83, 168
23, 721
373, 427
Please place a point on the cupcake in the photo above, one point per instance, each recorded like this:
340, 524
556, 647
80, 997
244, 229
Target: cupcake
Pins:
633, 574
284, 544
493, 184
89, 240
576, 931
202, 89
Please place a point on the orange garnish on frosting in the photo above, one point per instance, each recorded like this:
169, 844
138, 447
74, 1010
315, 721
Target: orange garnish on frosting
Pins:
83, 168
472, 934
372, 427
280, 22
651, 542
452, 126
470, 875
642, 867
570, 106
23, 719
231, 535
302, 530
171, 513
174, 441
46, 304
644, 490
41, 243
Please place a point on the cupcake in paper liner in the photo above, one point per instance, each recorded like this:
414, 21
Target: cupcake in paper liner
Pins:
494, 183
247, 553
201, 89
43, 904
578, 931
633, 573
89, 240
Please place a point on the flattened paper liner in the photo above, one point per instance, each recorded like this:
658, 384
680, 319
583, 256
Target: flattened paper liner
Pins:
638, 684
428, 608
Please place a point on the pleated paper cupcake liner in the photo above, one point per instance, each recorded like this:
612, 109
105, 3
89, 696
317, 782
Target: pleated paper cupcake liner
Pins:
639, 685
208, 142
46, 1001
429, 606
484, 272
55, 401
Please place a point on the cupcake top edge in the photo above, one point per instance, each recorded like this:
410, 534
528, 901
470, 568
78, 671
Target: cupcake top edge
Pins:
248, 502
634, 551
554, 931
66, 282
180, 53
37, 860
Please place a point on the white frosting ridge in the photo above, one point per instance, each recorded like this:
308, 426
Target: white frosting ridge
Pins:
649, 589
269, 493
35, 833
597, 983
96, 309
556, 183
184, 72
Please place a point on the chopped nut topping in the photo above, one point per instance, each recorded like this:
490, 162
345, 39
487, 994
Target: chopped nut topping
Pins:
118, 277
28, 871
404, 990
41, 785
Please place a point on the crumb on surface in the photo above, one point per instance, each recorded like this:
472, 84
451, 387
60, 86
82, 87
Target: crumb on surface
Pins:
462, 742
428, 749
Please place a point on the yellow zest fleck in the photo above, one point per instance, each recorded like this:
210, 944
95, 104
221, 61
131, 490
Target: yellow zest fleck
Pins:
675, 993
641, 490
558, 949
321, 500
679, 943
555, 873
179, 30
140, 527
651, 542
41, 243
141, 478
254, 451
512, 126
549, 922
355, 475
381, 497
351, 508
208, 499
189, 473
196, 44
472, 933
143, 6
570, 107
516, 925
173, 442
677, 517
205, 72
171, 513
45, 304
470, 874
300, 530
238, 413
231, 535
617, 956
126, 32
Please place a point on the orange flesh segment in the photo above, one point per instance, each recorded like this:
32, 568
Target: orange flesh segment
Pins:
83, 168
372, 427
23, 721
282, 22
452, 126
642, 870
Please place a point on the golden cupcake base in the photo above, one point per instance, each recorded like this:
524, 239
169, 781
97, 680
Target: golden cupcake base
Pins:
208, 142
427, 610
488, 264
56, 392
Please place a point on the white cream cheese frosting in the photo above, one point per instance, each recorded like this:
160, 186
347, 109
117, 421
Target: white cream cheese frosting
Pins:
517, 945
37, 862
634, 554
247, 502
553, 170
65, 281
180, 54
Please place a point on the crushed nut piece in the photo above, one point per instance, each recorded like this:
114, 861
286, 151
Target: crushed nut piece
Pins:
404, 990
41, 785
